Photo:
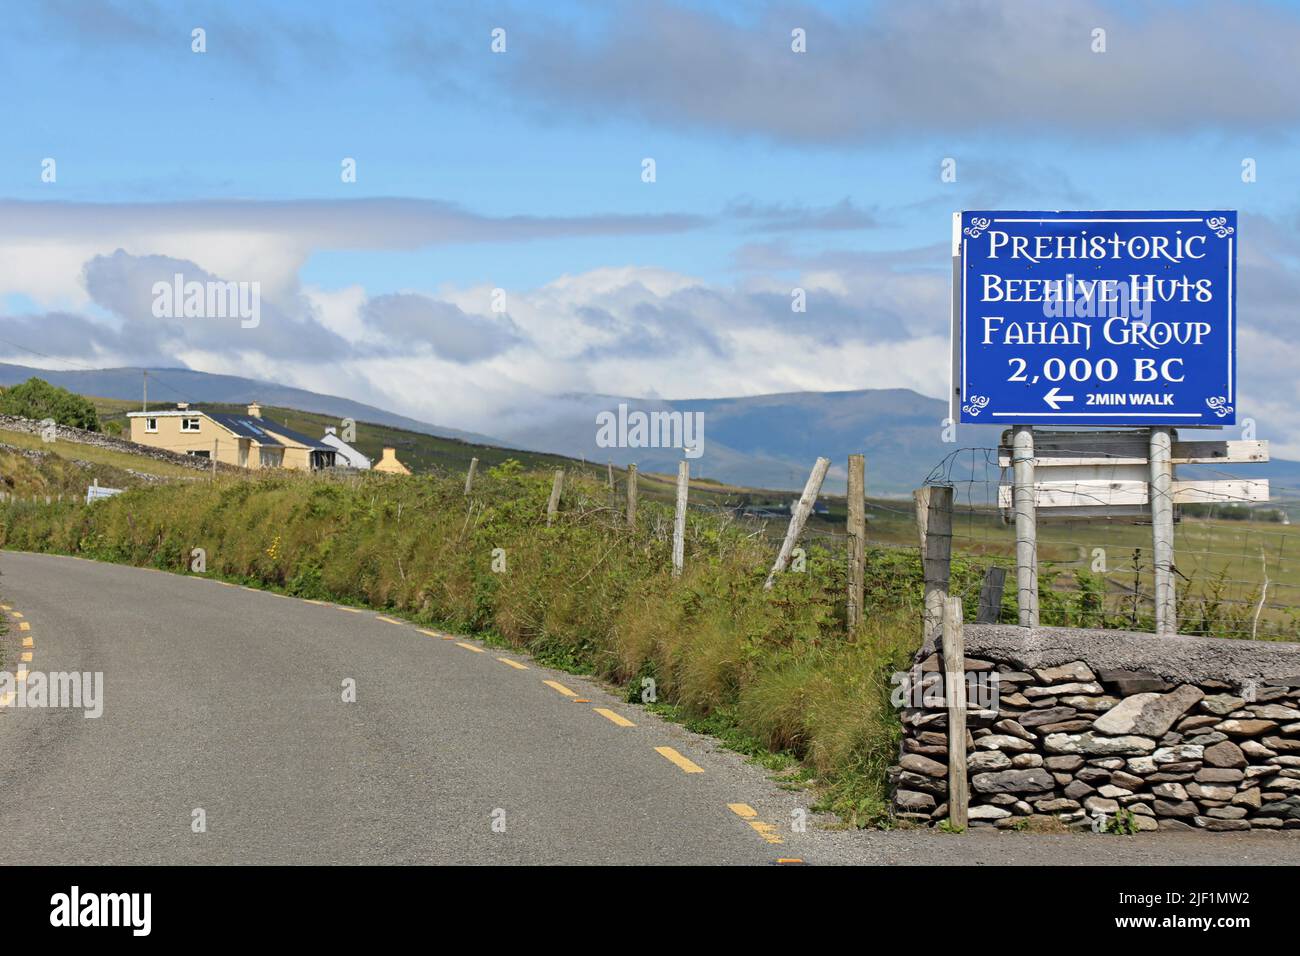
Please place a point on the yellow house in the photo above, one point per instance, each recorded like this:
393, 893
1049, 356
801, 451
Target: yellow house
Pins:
389, 463
249, 441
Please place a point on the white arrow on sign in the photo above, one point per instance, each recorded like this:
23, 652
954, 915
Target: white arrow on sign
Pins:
1054, 398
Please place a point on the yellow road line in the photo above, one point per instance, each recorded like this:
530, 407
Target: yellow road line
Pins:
350, 610
470, 647
767, 831
747, 813
429, 633
6, 607
515, 664
556, 685
387, 620
613, 718
314, 601
7, 699
17, 615
27, 642
24, 626
21, 675
689, 766
25, 656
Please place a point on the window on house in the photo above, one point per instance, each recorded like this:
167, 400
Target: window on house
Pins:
270, 457
189, 424
151, 424
201, 454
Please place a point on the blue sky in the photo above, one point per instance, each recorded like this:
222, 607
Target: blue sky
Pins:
774, 169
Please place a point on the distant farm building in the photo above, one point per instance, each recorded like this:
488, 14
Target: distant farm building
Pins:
389, 463
345, 456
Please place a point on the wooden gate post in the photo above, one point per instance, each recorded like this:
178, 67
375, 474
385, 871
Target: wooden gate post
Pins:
857, 539
469, 476
934, 521
798, 519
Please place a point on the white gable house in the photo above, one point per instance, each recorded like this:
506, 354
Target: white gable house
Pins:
345, 455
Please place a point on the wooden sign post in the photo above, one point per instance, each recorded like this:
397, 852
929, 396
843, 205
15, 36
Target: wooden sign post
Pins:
1026, 506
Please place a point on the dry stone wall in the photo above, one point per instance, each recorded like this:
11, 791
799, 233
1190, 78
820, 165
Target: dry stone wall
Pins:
81, 436
1183, 733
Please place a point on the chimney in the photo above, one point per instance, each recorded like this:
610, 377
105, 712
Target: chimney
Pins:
329, 430
254, 410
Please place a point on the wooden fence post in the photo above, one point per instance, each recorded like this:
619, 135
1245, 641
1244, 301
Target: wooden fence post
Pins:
995, 579
609, 465
798, 518
631, 497
469, 476
679, 519
954, 680
857, 539
934, 520
553, 505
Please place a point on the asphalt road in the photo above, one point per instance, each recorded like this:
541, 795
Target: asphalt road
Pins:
230, 701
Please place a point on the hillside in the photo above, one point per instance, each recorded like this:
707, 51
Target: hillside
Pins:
185, 385
760, 441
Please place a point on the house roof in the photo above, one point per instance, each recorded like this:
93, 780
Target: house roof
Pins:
245, 426
296, 437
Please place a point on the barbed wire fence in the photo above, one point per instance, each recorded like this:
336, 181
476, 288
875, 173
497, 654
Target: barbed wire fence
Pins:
1233, 559
1237, 562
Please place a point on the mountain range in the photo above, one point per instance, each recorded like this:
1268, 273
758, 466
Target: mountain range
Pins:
764, 441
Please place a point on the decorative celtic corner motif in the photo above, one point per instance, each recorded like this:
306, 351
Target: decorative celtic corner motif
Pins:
977, 404
1219, 405
1220, 226
977, 226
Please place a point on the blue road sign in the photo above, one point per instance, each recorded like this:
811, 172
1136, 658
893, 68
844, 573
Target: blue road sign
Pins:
1095, 318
